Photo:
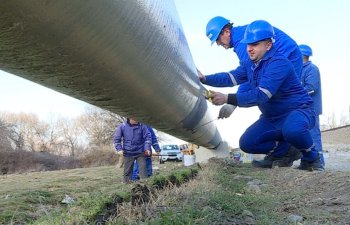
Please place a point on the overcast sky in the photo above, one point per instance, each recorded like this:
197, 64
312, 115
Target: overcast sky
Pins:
321, 24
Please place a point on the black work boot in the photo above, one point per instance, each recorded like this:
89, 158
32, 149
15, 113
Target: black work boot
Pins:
270, 161
315, 165
293, 154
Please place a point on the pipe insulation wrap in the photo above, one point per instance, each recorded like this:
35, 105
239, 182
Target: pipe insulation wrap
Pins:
128, 57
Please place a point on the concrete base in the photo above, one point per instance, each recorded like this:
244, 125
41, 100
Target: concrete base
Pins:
203, 154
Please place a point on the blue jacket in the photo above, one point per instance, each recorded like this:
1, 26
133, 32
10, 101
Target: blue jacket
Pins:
132, 139
155, 144
273, 85
284, 45
311, 81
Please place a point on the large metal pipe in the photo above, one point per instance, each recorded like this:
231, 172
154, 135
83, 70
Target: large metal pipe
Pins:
127, 56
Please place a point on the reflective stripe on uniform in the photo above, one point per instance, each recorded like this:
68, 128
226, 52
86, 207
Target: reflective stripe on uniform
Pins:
232, 79
267, 92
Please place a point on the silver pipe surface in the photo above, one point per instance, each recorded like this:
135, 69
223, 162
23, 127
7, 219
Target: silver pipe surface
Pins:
130, 57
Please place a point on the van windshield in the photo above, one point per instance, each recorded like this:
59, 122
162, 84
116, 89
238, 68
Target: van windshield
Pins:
170, 147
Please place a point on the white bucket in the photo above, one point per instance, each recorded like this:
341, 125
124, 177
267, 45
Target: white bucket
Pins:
189, 160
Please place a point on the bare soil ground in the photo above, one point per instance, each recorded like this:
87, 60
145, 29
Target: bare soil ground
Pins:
319, 197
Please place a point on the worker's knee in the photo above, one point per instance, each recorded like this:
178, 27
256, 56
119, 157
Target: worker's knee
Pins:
246, 144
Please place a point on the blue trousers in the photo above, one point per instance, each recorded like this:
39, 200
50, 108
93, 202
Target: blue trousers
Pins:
135, 172
274, 136
316, 137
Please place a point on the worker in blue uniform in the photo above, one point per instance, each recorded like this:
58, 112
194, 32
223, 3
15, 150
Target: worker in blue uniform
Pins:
221, 31
287, 109
155, 145
311, 81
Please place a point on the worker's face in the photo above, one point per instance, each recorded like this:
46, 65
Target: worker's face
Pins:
257, 50
305, 59
224, 38
133, 121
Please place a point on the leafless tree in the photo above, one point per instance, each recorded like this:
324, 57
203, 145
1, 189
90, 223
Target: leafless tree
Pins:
5, 134
27, 132
69, 137
331, 122
99, 126
344, 119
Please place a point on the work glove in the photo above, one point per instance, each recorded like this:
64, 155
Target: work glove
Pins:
120, 153
147, 153
226, 111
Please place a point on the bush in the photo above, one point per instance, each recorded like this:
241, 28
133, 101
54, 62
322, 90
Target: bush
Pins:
23, 161
99, 158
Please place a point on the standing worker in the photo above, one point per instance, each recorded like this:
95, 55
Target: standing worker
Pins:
133, 140
286, 108
311, 80
155, 145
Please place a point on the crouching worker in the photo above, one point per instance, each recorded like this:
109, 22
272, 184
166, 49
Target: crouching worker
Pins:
287, 109
133, 140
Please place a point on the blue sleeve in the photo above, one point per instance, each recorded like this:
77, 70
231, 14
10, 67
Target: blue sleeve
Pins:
118, 138
312, 80
227, 79
276, 72
155, 144
250, 98
147, 138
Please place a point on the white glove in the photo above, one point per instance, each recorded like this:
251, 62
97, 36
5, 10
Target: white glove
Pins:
226, 111
120, 152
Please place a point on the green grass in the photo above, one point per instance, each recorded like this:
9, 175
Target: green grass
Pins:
214, 196
36, 197
217, 198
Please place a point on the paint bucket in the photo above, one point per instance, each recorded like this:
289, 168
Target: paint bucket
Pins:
189, 160
237, 156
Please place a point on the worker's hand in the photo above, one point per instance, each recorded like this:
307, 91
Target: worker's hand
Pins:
156, 154
147, 153
226, 111
120, 152
218, 98
201, 76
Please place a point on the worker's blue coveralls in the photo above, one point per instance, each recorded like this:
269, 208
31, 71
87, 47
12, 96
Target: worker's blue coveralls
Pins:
287, 109
284, 44
311, 81
133, 140
155, 145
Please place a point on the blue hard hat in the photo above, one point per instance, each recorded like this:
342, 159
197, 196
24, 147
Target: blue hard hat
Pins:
214, 27
257, 31
305, 50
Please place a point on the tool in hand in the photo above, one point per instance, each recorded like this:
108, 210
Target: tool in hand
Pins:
208, 95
